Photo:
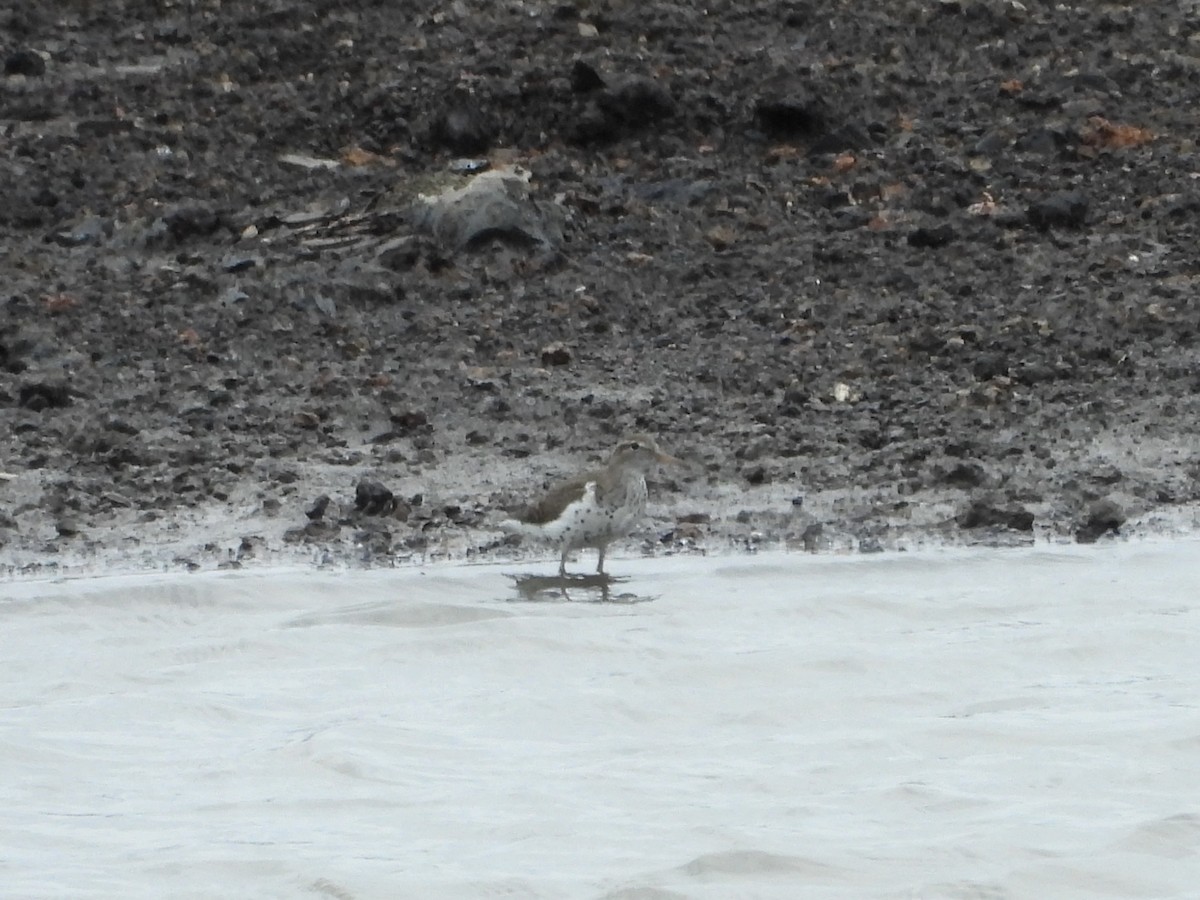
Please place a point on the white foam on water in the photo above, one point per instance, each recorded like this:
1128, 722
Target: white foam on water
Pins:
1021, 723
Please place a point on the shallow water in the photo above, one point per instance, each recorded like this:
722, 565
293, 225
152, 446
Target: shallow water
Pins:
955, 724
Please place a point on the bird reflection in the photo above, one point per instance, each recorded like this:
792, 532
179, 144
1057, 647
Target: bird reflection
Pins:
574, 589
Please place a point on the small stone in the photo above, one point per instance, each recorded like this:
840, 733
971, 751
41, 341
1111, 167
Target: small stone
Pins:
639, 100
43, 395
478, 438
373, 499
317, 510
1103, 517
239, 263
796, 115
813, 537
410, 420
25, 62
249, 546
684, 532
191, 221
721, 237
556, 354
982, 514
462, 127
966, 475
757, 475
584, 78
1043, 141
92, 230
932, 237
1067, 209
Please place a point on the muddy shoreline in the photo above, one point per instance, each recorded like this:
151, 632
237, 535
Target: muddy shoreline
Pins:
886, 280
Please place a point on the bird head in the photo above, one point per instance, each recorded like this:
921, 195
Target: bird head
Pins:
638, 451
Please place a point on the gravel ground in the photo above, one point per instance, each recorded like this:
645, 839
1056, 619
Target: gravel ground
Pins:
319, 280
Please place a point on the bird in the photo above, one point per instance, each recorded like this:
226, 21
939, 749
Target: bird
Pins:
597, 507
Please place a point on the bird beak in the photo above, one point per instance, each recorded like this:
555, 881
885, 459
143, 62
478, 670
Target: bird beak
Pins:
668, 460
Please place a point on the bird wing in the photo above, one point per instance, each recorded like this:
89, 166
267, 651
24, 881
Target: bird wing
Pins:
548, 508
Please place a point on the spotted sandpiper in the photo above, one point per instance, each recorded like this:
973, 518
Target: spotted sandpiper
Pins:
597, 507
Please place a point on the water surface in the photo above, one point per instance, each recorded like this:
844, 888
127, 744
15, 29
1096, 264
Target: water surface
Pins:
954, 724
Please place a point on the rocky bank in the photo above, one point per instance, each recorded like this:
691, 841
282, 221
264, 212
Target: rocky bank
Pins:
339, 281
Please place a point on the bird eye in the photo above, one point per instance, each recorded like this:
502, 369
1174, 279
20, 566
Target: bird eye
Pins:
634, 445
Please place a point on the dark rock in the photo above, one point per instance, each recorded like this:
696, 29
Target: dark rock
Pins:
932, 237
556, 354
798, 115
31, 111
478, 438
990, 365
239, 263
585, 79
462, 127
122, 426
44, 197
1103, 517
44, 395
315, 531
698, 518
1067, 209
24, 62
399, 254
966, 475
412, 420
249, 546
1107, 475
984, 514
813, 537
317, 510
683, 532
373, 499
103, 127
191, 221
1043, 141
637, 100
757, 475
375, 541
401, 510
836, 140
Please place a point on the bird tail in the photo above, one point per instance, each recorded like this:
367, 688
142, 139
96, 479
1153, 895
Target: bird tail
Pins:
515, 526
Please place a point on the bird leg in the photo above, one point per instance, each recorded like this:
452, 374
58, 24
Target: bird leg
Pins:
600, 563
562, 565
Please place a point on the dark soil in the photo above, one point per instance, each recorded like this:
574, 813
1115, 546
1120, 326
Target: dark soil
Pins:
887, 273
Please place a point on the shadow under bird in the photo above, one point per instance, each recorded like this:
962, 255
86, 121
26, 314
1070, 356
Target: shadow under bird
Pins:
597, 507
